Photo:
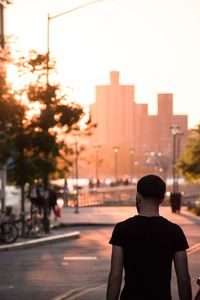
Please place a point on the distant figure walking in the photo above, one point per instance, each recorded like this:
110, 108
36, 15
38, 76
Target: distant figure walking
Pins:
35, 199
145, 245
52, 202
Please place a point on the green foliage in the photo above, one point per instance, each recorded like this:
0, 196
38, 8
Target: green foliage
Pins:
189, 164
32, 141
10, 110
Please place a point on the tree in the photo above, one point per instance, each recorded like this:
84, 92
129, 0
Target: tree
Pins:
34, 121
10, 113
57, 117
189, 163
7, 109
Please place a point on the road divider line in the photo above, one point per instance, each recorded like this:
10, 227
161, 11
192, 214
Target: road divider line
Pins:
75, 293
6, 287
65, 263
68, 294
87, 290
194, 248
80, 258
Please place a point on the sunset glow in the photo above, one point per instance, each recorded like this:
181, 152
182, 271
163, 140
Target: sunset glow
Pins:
154, 44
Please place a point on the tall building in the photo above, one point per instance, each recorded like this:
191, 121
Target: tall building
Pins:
124, 123
113, 112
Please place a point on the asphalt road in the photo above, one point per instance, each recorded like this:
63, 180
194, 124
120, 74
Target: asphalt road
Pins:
77, 269
46, 271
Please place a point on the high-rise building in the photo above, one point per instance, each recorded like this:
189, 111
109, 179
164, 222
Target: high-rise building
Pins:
124, 123
113, 112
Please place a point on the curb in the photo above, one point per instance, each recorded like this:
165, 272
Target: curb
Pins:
52, 238
39, 241
67, 225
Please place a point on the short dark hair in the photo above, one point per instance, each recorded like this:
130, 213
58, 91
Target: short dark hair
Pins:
151, 186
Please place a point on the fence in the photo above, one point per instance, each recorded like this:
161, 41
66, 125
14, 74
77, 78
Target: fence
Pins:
121, 196
104, 196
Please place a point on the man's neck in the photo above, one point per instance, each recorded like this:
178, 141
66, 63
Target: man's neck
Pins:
149, 213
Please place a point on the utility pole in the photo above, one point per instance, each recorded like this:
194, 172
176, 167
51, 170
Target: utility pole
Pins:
116, 150
175, 197
132, 151
77, 177
3, 173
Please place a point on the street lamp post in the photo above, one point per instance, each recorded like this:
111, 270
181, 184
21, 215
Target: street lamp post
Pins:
49, 18
76, 176
3, 169
175, 196
97, 147
3, 4
116, 150
132, 151
175, 130
174, 135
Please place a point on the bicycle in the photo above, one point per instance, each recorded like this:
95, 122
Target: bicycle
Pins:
8, 230
30, 227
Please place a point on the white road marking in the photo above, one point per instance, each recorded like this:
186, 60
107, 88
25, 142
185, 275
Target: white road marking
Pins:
6, 287
76, 293
65, 263
194, 248
87, 290
80, 258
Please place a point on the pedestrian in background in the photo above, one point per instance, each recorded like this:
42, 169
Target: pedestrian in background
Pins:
35, 198
145, 245
52, 202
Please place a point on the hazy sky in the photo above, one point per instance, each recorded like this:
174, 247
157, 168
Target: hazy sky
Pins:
155, 44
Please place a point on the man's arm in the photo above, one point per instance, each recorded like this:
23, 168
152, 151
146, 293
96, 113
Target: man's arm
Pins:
115, 276
182, 274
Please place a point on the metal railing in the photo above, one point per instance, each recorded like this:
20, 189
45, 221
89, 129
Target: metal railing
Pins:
120, 196
104, 196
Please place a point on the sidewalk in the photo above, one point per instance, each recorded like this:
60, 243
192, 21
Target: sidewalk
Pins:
94, 216
110, 215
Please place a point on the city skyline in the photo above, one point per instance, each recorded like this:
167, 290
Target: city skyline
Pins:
154, 45
128, 130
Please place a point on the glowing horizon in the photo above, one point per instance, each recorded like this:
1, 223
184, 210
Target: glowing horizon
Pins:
154, 46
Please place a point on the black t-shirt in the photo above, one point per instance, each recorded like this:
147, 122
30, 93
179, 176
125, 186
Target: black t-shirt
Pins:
149, 244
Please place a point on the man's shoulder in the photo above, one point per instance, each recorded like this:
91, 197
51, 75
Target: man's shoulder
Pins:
126, 222
137, 220
170, 223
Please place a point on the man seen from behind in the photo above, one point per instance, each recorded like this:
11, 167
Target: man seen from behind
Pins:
145, 246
